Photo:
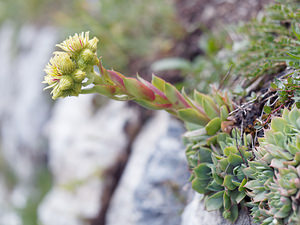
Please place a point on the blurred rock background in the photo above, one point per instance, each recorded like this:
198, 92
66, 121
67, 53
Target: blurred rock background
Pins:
88, 160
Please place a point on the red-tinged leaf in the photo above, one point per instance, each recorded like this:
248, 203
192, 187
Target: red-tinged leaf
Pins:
175, 97
297, 157
153, 88
284, 211
182, 100
117, 78
193, 104
101, 68
219, 99
138, 89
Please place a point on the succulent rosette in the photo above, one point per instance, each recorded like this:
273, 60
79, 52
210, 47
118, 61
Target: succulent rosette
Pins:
217, 160
275, 175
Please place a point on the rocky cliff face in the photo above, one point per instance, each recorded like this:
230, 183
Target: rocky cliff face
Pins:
153, 188
103, 172
85, 143
23, 112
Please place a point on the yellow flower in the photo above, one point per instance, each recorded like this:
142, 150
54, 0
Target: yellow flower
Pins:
60, 75
76, 43
68, 68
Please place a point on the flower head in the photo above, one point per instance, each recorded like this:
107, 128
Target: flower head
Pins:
68, 68
74, 44
59, 76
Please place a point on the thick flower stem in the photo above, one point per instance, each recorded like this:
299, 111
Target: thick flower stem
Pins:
71, 72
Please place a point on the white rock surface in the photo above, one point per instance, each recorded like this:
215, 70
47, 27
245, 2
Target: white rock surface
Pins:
83, 144
23, 111
150, 191
195, 214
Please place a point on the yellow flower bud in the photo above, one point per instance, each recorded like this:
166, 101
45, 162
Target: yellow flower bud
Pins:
87, 55
76, 43
65, 83
56, 92
68, 68
93, 44
64, 63
79, 76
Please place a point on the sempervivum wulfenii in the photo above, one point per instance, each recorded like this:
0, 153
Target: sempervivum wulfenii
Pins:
275, 175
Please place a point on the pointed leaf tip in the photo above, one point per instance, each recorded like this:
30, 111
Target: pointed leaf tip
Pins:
116, 77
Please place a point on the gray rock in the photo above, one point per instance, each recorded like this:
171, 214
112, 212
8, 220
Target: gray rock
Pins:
83, 145
195, 214
24, 110
24, 51
150, 191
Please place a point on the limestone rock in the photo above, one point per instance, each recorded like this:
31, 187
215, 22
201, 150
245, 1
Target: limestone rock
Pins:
83, 144
24, 51
151, 188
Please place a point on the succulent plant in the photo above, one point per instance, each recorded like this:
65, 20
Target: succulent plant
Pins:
270, 36
72, 72
217, 172
225, 167
217, 160
274, 176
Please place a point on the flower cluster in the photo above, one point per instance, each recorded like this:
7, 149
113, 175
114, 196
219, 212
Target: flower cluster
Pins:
67, 69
